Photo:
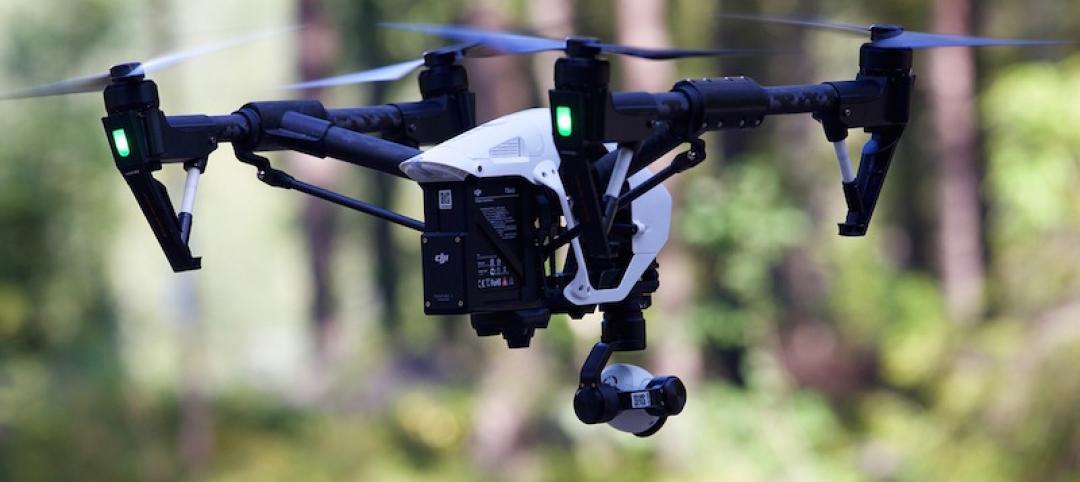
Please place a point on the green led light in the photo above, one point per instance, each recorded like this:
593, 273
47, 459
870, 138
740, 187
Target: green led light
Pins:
564, 121
121, 142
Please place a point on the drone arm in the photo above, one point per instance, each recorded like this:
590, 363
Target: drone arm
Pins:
303, 125
376, 118
696, 106
142, 138
223, 128
877, 100
801, 99
319, 137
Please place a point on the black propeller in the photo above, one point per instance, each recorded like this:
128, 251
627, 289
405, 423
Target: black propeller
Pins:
98, 82
479, 43
379, 74
894, 36
386, 73
513, 43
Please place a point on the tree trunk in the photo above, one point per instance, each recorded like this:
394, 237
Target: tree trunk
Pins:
952, 86
673, 351
385, 250
317, 53
196, 431
553, 19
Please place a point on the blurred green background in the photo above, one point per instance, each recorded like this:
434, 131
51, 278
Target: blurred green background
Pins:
942, 346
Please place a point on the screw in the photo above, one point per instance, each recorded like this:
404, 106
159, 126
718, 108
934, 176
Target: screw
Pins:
847, 112
457, 239
423, 240
460, 304
427, 304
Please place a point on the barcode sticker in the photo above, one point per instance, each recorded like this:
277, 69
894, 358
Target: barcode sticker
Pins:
640, 400
446, 200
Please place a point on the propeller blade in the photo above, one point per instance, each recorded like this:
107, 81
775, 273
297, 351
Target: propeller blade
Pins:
510, 43
98, 82
380, 74
90, 83
818, 24
163, 62
513, 43
904, 40
670, 54
922, 40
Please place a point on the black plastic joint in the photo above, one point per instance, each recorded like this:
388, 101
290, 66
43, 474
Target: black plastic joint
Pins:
725, 102
835, 131
200, 164
690, 158
264, 117
276, 178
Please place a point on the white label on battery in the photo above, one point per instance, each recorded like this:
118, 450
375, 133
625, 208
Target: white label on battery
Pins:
640, 400
446, 199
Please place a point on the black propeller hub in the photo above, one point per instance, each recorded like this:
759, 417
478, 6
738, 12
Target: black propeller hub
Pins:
441, 57
130, 90
582, 47
884, 31
129, 72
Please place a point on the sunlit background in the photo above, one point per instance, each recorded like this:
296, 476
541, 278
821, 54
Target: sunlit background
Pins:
942, 346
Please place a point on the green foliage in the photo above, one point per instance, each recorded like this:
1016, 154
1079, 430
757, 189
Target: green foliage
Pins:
59, 367
1034, 206
747, 220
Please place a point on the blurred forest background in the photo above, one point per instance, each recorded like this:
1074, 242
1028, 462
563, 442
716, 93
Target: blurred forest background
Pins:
942, 346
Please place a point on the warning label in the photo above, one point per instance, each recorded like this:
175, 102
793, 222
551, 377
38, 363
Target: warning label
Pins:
496, 207
499, 207
501, 221
492, 272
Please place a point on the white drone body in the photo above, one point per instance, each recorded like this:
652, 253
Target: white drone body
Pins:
521, 145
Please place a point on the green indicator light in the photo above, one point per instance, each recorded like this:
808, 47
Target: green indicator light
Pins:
564, 121
121, 142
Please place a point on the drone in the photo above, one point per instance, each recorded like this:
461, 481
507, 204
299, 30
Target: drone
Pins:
502, 199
